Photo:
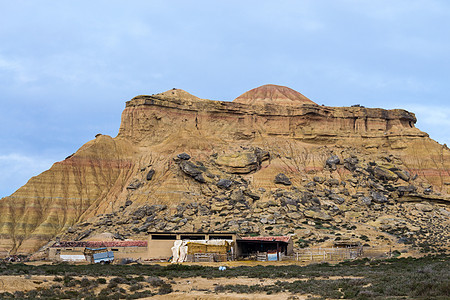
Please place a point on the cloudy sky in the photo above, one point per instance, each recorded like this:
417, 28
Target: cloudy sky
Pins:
67, 67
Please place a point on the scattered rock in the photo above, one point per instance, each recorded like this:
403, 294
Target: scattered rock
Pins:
404, 175
336, 198
150, 175
350, 163
135, 184
83, 235
251, 194
239, 163
378, 197
383, 173
261, 154
294, 215
118, 236
184, 156
332, 161
282, 179
319, 179
243, 162
192, 170
406, 189
333, 182
366, 200
425, 207
224, 183
237, 195
427, 191
317, 214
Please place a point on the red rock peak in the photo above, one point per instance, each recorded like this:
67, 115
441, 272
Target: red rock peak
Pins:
273, 94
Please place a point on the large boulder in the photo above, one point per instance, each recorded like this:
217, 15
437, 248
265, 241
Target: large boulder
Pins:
192, 170
406, 189
317, 214
135, 184
224, 183
184, 156
242, 162
318, 179
366, 200
383, 173
282, 179
336, 198
350, 163
378, 197
238, 163
332, 161
150, 174
402, 174
425, 207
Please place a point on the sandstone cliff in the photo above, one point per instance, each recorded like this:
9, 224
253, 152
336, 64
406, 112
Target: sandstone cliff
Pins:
270, 162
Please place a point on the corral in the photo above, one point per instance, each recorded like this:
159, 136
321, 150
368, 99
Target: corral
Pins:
160, 244
180, 247
74, 250
265, 248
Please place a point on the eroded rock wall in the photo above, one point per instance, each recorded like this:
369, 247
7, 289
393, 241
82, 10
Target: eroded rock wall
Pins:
138, 182
49, 203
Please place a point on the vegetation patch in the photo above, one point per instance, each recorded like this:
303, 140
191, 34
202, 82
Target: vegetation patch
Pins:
412, 278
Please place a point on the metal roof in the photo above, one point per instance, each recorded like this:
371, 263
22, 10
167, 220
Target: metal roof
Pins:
99, 244
283, 239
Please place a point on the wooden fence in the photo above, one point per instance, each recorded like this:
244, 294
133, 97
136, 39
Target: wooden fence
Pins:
208, 257
328, 254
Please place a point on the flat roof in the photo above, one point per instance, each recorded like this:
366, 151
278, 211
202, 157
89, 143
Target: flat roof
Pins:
191, 233
283, 239
98, 244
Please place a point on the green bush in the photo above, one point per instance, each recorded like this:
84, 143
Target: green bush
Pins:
165, 289
101, 280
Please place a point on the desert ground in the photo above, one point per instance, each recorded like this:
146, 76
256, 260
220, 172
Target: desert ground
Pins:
396, 278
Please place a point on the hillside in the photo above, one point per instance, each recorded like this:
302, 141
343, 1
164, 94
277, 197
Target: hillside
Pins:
270, 162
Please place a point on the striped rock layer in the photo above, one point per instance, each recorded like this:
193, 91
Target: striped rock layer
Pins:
110, 175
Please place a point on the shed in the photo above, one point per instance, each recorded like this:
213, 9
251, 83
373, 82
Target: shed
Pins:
273, 247
160, 243
74, 250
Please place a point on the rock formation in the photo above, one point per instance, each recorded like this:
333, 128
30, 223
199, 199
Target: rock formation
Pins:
273, 94
270, 162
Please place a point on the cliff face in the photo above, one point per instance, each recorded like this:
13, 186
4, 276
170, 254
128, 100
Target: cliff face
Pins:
135, 183
58, 198
153, 118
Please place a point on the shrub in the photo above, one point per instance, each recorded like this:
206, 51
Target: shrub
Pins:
136, 287
155, 281
101, 280
165, 289
85, 282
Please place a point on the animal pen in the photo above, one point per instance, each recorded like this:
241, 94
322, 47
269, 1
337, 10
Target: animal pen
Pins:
328, 254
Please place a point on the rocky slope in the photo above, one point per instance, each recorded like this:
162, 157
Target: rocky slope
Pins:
270, 162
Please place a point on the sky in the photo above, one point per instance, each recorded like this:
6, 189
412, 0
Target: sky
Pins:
67, 67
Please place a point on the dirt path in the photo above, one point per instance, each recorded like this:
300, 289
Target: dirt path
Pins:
21, 283
197, 288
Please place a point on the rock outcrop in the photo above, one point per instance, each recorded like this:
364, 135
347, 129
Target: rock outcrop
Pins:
273, 94
270, 162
